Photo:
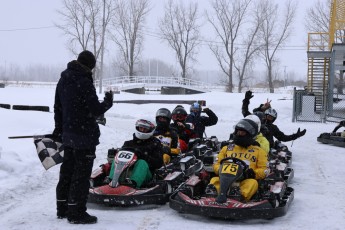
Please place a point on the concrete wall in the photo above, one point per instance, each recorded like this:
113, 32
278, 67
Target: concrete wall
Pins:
178, 90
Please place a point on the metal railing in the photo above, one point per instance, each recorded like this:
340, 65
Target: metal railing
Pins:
123, 81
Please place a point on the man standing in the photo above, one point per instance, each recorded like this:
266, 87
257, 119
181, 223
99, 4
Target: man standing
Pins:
76, 108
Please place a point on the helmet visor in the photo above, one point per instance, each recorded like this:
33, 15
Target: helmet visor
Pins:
195, 110
179, 117
143, 129
144, 126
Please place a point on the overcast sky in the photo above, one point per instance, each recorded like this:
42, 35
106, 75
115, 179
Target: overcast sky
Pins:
27, 36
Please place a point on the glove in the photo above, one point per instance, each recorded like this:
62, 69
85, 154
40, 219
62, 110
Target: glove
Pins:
56, 135
249, 173
108, 98
342, 123
205, 110
300, 133
140, 154
248, 95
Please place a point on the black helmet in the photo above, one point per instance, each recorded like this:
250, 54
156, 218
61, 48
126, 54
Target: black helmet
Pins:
249, 126
165, 113
179, 114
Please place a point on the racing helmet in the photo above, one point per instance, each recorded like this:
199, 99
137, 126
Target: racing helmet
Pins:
144, 129
165, 113
179, 114
195, 109
272, 112
249, 126
256, 119
260, 115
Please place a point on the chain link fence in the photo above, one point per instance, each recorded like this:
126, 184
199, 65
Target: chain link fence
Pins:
318, 107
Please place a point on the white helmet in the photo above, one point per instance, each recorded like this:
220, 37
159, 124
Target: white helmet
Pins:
256, 119
144, 129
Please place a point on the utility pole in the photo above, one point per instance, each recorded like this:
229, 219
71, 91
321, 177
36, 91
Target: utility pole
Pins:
157, 68
102, 50
285, 76
150, 67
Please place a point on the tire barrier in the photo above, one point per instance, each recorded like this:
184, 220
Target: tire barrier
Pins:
31, 107
5, 106
139, 102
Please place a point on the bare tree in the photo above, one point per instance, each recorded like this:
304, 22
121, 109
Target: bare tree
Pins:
180, 28
227, 21
318, 16
244, 60
155, 67
84, 24
128, 23
274, 34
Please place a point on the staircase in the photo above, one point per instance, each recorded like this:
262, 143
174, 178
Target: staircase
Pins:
318, 75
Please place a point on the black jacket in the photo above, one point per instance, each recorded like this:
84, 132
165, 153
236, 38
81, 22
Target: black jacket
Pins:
201, 122
76, 108
150, 150
273, 131
183, 133
269, 130
263, 129
245, 105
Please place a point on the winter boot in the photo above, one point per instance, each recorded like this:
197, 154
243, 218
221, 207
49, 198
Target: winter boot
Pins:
81, 218
61, 207
130, 183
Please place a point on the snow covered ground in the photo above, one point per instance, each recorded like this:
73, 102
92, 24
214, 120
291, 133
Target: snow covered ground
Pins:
27, 190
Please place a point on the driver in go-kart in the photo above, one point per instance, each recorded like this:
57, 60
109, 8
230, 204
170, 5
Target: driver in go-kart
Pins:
245, 148
149, 151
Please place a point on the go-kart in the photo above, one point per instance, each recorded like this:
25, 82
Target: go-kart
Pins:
272, 199
335, 138
117, 192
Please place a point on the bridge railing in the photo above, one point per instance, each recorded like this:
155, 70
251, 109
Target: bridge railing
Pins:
123, 81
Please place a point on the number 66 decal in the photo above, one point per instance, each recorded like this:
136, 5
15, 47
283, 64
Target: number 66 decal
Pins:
125, 154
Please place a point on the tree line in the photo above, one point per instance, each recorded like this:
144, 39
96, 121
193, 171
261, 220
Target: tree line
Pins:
242, 32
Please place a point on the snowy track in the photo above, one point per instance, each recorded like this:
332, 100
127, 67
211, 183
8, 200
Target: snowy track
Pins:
27, 191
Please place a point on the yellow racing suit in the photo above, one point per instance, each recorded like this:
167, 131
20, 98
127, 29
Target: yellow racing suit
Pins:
264, 144
254, 156
168, 138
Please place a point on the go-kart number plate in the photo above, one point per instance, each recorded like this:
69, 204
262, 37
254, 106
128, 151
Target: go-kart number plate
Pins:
125, 155
230, 168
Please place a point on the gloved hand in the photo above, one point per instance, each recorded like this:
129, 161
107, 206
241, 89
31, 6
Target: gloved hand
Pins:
108, 97
342, 123
56, 135
300, 133
166, 150
140, 154
205, 110
249, 173
248, 95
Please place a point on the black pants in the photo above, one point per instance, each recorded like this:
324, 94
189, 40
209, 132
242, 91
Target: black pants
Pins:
73, 186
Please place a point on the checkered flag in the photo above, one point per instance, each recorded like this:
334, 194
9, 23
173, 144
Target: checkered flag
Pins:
49, 151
